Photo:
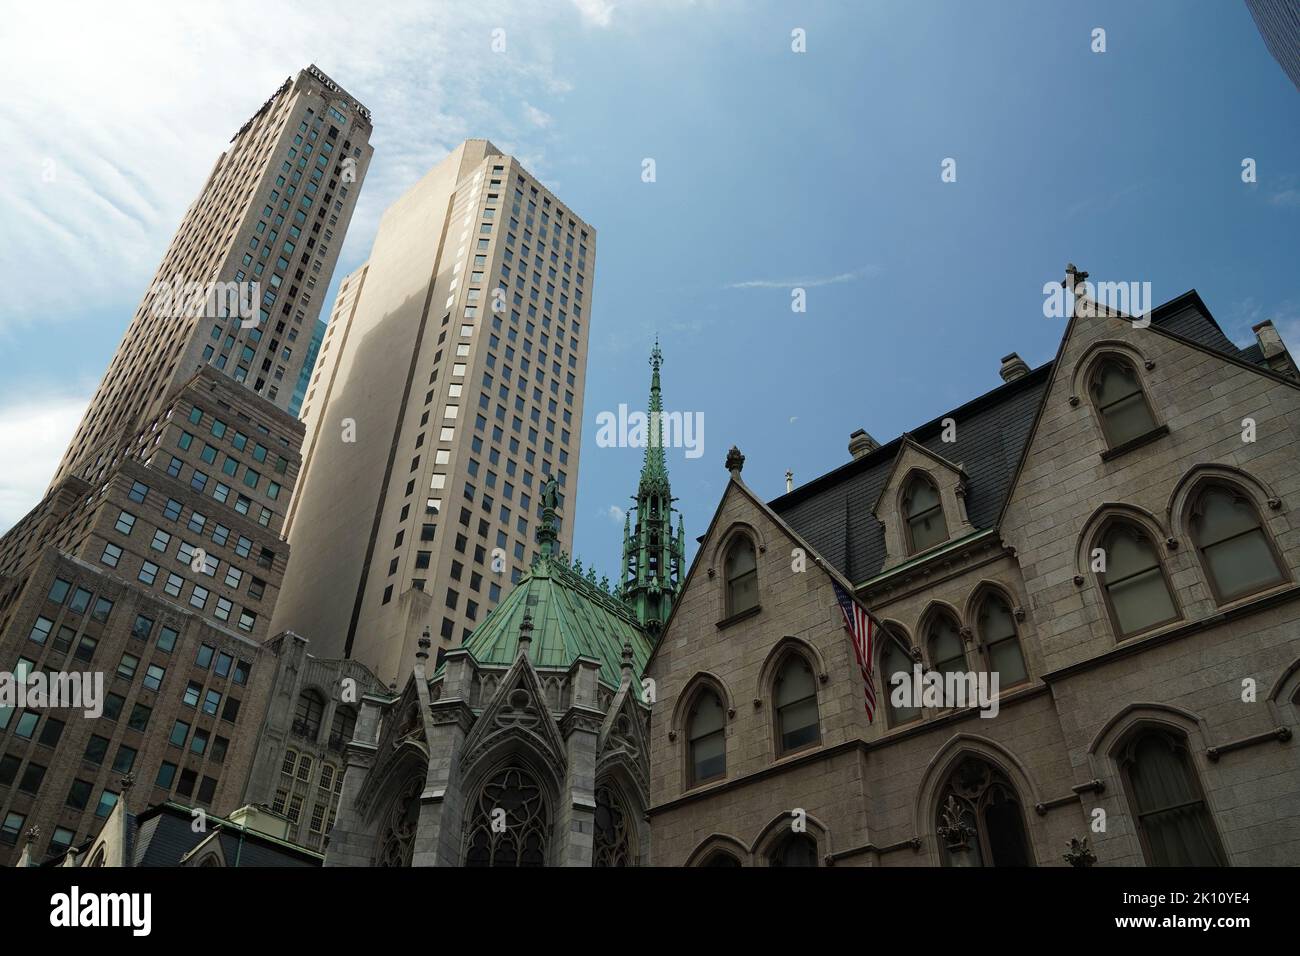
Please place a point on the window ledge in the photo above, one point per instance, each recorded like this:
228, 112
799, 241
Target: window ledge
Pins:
1112, 453
737, 618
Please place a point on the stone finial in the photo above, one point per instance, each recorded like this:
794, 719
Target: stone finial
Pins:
526, 633
789, 481
860, 443
1073, 276
735, 462
626, 666
424, 643
33, 833
1013, 367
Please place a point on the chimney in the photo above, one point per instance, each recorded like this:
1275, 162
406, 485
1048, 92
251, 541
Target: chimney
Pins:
1273, 348
1013, 367
860, 443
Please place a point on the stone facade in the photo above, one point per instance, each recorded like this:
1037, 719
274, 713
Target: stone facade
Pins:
1213, 686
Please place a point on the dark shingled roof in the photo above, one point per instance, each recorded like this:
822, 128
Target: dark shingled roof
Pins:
833, 512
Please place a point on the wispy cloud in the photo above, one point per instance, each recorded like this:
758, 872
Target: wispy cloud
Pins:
615, 514
539, 118
33, 434
105, 149
807, 282
1285, 197
598, 13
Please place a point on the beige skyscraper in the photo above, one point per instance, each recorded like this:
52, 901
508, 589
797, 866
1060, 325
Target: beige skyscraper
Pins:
448, 388
241, 284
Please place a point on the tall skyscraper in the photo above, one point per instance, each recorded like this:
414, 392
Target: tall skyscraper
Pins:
154, 560
241, 284
448, 388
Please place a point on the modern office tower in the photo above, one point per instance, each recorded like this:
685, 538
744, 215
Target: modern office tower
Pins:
241, 284
161, 577
155, 558
448, 387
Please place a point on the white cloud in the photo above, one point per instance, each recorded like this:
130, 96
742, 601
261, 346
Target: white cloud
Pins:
806, 283
33, 436
597, 13
615, 514
539, 118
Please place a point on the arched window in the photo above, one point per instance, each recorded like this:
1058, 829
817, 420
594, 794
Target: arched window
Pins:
1235, 551
1173, 821
706, 734
397, 834
1121, 404
794, 692
720, 858
1001, 642
923, 510
741, 570
522, 836
894, 659
797, 849
613, 836
342, 727
1137, 592
943, 638
980, 821
306, 719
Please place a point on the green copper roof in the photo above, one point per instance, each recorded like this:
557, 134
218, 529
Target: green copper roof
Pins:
572, 617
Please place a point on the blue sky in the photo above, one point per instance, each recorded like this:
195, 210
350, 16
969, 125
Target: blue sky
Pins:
773, 170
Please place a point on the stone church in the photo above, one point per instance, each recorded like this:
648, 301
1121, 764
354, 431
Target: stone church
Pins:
1114, 535
1106, 542
529, 744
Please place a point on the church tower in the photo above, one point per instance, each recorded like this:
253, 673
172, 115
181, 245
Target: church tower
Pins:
654, 557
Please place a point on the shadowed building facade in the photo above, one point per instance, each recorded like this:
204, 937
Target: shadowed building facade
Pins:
448, 388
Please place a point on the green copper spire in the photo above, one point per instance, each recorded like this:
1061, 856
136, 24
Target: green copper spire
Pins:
654, 472
654, 558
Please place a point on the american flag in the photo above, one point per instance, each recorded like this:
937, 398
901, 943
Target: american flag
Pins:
862, 632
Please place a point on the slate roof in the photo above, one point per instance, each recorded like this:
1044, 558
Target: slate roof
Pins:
163, 834
833, 512
572, 617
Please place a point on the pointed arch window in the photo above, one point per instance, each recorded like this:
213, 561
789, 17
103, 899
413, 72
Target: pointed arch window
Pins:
397, 836
1235, 550
797, 849
923, 510
895, 659
720, 858
1001, 641
741, 569
794, 694
1173, 820
613, 830
523, 840
943, 639
1137, 591
1121, 403
706, 734
980, 821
